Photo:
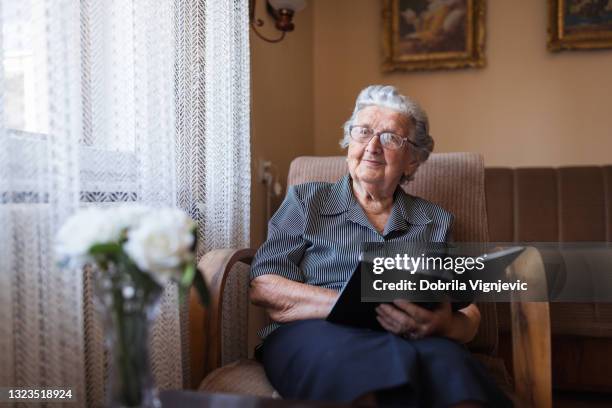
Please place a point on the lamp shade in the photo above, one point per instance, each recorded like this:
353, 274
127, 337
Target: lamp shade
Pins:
294, 5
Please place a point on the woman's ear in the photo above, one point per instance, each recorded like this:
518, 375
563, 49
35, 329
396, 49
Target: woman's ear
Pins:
411, 167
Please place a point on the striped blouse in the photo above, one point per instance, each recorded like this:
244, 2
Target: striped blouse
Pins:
315, 236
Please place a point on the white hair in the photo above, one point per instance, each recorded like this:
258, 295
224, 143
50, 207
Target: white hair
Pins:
387, 96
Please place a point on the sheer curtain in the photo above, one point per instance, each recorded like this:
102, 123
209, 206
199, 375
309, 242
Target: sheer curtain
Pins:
105, 102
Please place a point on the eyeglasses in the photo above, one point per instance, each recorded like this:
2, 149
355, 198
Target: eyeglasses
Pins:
388, 140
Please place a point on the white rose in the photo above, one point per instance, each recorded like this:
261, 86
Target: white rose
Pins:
82, 230
127, 216
92, 226
162, 243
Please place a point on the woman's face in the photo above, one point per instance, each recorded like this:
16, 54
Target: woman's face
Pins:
371, 163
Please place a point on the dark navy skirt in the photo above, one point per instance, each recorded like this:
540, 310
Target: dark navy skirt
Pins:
318, 360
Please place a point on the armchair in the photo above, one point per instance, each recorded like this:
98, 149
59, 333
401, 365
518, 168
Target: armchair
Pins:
219, 359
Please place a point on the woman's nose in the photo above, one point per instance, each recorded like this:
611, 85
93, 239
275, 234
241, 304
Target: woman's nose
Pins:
374, 146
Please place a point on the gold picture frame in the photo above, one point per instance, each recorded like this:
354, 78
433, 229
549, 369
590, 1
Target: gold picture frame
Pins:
579, 25
427, 35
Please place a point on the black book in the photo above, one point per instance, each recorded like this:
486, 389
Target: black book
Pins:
351, 311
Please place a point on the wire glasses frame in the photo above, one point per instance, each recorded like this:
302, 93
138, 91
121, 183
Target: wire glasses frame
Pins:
389, 140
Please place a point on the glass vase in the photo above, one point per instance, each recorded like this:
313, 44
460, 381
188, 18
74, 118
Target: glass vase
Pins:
129, 307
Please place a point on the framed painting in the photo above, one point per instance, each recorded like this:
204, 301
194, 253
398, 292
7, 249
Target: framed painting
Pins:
579, 24
433, 34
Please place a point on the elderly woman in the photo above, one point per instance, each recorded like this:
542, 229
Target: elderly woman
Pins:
313, 246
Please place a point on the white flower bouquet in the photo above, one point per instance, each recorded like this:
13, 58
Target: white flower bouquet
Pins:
158, 244
134, 251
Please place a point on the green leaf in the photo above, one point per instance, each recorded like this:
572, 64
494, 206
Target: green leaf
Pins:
185, 281
200, 286
107, 248
188, 275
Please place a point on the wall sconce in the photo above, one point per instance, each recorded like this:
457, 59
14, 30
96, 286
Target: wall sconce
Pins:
282, 11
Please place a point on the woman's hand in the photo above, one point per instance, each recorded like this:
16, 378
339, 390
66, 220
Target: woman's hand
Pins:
408, 320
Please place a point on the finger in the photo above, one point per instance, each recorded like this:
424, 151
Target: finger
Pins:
383, 310
405, 305
421, 331
394, 313
400, 326
389, 320
386, 324
419, 314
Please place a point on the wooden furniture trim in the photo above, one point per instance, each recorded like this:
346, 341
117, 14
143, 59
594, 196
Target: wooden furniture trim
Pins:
205, 324
530, 323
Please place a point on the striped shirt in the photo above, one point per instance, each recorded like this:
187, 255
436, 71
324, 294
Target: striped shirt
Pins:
315, 236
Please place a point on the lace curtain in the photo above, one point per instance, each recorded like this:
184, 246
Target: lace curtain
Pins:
104, 102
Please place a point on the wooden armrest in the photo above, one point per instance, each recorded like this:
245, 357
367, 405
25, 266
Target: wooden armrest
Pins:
531, 351
205, 324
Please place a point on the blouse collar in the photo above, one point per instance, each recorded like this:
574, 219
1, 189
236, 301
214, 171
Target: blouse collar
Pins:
406, 209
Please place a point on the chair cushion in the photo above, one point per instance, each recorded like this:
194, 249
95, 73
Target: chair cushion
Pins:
248, 377
245, 376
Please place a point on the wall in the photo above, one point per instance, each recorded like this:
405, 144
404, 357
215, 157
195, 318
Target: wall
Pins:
527, 107
281, 105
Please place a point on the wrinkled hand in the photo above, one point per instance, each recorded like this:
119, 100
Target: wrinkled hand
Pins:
408, 320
